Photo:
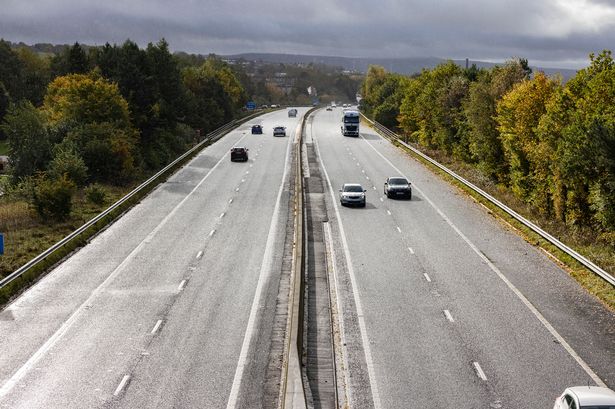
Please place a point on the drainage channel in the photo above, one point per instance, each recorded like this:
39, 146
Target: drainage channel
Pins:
319, 359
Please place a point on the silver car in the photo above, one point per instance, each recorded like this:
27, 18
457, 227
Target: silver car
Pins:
590, 397
352, 194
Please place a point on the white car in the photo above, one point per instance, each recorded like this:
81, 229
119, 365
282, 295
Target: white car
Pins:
352, 194
586, 397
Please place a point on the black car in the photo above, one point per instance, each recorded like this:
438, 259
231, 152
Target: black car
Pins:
257, 129
397, 187
239, 153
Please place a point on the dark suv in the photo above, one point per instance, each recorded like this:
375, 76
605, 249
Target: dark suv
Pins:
239, 154
397, 187
257, 129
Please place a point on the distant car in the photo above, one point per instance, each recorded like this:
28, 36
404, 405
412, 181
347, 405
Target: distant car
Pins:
239, 153
264, 106
589, 397
397, 187
352, 194
292, 113
329, 108
257, 129
274, 106
279, 131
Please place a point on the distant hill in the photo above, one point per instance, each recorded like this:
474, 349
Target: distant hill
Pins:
400, 65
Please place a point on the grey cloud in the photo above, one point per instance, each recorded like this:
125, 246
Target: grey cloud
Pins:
481, 29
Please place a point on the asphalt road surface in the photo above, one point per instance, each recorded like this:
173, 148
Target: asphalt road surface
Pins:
171, 306
442, 305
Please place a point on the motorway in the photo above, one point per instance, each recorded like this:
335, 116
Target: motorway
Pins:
441, 305
171, 306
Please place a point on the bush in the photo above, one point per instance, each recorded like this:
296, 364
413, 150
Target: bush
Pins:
67, 162
53, 198
96, 194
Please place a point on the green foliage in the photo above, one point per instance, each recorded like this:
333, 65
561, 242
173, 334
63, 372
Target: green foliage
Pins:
72, 60
108, 151
67, 163
4, 106
553, 145
96, 194
528, 154
53, 198
479, 109
29, 142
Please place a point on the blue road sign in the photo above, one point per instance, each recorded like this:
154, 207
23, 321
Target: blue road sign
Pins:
1, 243
251, 105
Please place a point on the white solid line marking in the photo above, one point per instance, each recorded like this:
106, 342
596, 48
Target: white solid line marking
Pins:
181, 285
157, 326
510, 285
211, 233
122, 385
51, 341
389, 212
199, 254
355, 292
427, 277
398, 229
410, 250
222, 214
263, 277
448, 315
479, 371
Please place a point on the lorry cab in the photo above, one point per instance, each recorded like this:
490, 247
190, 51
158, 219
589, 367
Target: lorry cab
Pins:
350, 122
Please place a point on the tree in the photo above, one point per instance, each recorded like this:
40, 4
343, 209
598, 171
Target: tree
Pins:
518, 115
29, 143
73, 60
85, 99
4, 106
484, 143
67, 162
10, 71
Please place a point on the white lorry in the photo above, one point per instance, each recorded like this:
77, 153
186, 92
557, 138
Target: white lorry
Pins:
350, 122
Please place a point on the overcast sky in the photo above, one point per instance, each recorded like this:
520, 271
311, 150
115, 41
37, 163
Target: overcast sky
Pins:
556, 33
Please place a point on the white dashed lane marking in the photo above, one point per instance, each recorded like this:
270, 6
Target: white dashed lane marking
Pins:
181, 285
448, 315
410, 250
122, 385
427, 277
199, 255
389, 212
157, 326
479, 371
398, 229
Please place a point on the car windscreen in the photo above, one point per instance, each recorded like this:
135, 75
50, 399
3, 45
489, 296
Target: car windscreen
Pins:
351, 119
398, 181
353, 188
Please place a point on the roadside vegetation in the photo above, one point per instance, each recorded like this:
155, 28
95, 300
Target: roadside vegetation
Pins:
83, 125
546, 148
